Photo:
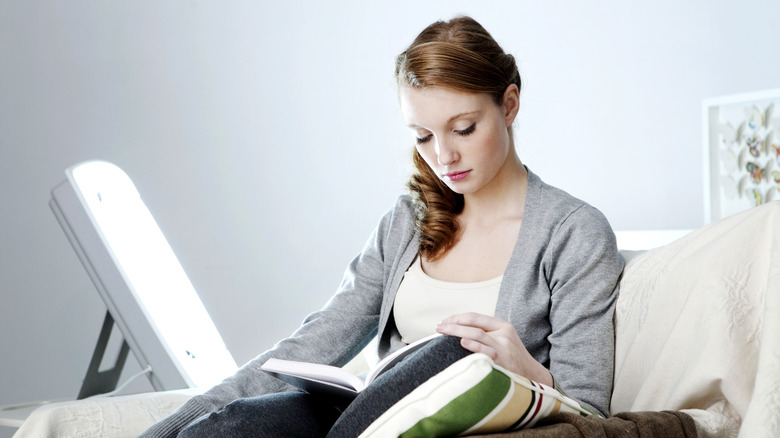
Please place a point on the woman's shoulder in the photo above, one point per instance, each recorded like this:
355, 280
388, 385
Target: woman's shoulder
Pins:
404, 203
557, 205
398, 223
403, 209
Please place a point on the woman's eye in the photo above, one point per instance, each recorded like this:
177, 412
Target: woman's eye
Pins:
421, 140
467, 131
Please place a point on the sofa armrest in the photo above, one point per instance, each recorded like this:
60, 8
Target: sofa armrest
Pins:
121, 416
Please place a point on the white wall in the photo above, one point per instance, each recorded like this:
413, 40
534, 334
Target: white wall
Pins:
265, 138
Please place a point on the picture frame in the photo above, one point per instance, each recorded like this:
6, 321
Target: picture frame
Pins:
741, 152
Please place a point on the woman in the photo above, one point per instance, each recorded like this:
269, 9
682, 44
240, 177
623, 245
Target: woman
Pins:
482, 251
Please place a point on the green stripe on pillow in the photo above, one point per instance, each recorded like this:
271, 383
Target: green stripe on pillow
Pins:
464, 411
471, 396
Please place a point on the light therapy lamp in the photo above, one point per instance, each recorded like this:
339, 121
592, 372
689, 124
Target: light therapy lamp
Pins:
148, 296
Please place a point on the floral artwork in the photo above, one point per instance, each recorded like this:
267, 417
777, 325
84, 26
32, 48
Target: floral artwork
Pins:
745, 155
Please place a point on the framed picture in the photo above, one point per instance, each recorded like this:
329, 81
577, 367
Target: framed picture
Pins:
741, 152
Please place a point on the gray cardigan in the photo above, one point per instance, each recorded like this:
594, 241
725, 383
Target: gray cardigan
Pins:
558, 290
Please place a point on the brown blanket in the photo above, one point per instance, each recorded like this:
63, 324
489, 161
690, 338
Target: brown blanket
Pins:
665, 424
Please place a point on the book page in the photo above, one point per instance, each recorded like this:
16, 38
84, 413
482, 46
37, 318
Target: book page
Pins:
314, 371
390, 360
318, 378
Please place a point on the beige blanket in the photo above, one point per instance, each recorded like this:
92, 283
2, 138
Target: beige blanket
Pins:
115, 417
698, 327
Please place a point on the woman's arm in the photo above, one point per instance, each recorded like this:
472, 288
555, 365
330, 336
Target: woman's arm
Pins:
332, 335
582, 266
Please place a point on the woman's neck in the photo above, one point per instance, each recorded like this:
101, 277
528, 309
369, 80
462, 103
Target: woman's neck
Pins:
503, 199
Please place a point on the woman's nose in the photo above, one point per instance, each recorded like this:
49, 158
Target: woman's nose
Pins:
445, 153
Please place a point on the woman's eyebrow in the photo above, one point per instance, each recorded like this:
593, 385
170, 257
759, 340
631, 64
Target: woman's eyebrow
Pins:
457, 116
450, 120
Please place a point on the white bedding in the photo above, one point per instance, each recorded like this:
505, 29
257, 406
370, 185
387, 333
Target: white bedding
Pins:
698, 327
122, 416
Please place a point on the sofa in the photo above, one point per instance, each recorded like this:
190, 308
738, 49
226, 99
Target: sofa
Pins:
697, 333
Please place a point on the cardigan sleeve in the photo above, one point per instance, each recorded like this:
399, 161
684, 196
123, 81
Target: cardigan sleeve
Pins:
583, 267
332, 335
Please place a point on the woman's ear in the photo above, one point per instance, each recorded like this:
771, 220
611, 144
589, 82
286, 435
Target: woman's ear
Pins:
511, 104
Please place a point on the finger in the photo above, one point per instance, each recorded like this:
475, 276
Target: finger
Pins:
477, 340
463, 331
472, 339
469, 318
478, 347
485, 322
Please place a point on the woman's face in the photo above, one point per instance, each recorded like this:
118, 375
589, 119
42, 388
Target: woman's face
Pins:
464, 137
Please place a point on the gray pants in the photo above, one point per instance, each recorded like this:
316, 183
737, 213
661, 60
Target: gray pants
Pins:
298, 414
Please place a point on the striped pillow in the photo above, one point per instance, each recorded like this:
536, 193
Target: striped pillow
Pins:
472, 396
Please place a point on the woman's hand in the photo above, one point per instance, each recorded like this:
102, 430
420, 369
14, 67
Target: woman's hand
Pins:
497, 339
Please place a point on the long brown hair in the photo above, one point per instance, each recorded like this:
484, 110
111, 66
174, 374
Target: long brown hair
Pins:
458, 54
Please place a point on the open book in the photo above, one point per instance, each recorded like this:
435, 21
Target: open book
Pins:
317, 378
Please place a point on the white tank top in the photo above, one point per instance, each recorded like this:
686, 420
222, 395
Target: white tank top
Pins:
422, 301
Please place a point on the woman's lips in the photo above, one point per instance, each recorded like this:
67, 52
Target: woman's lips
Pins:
457, 176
